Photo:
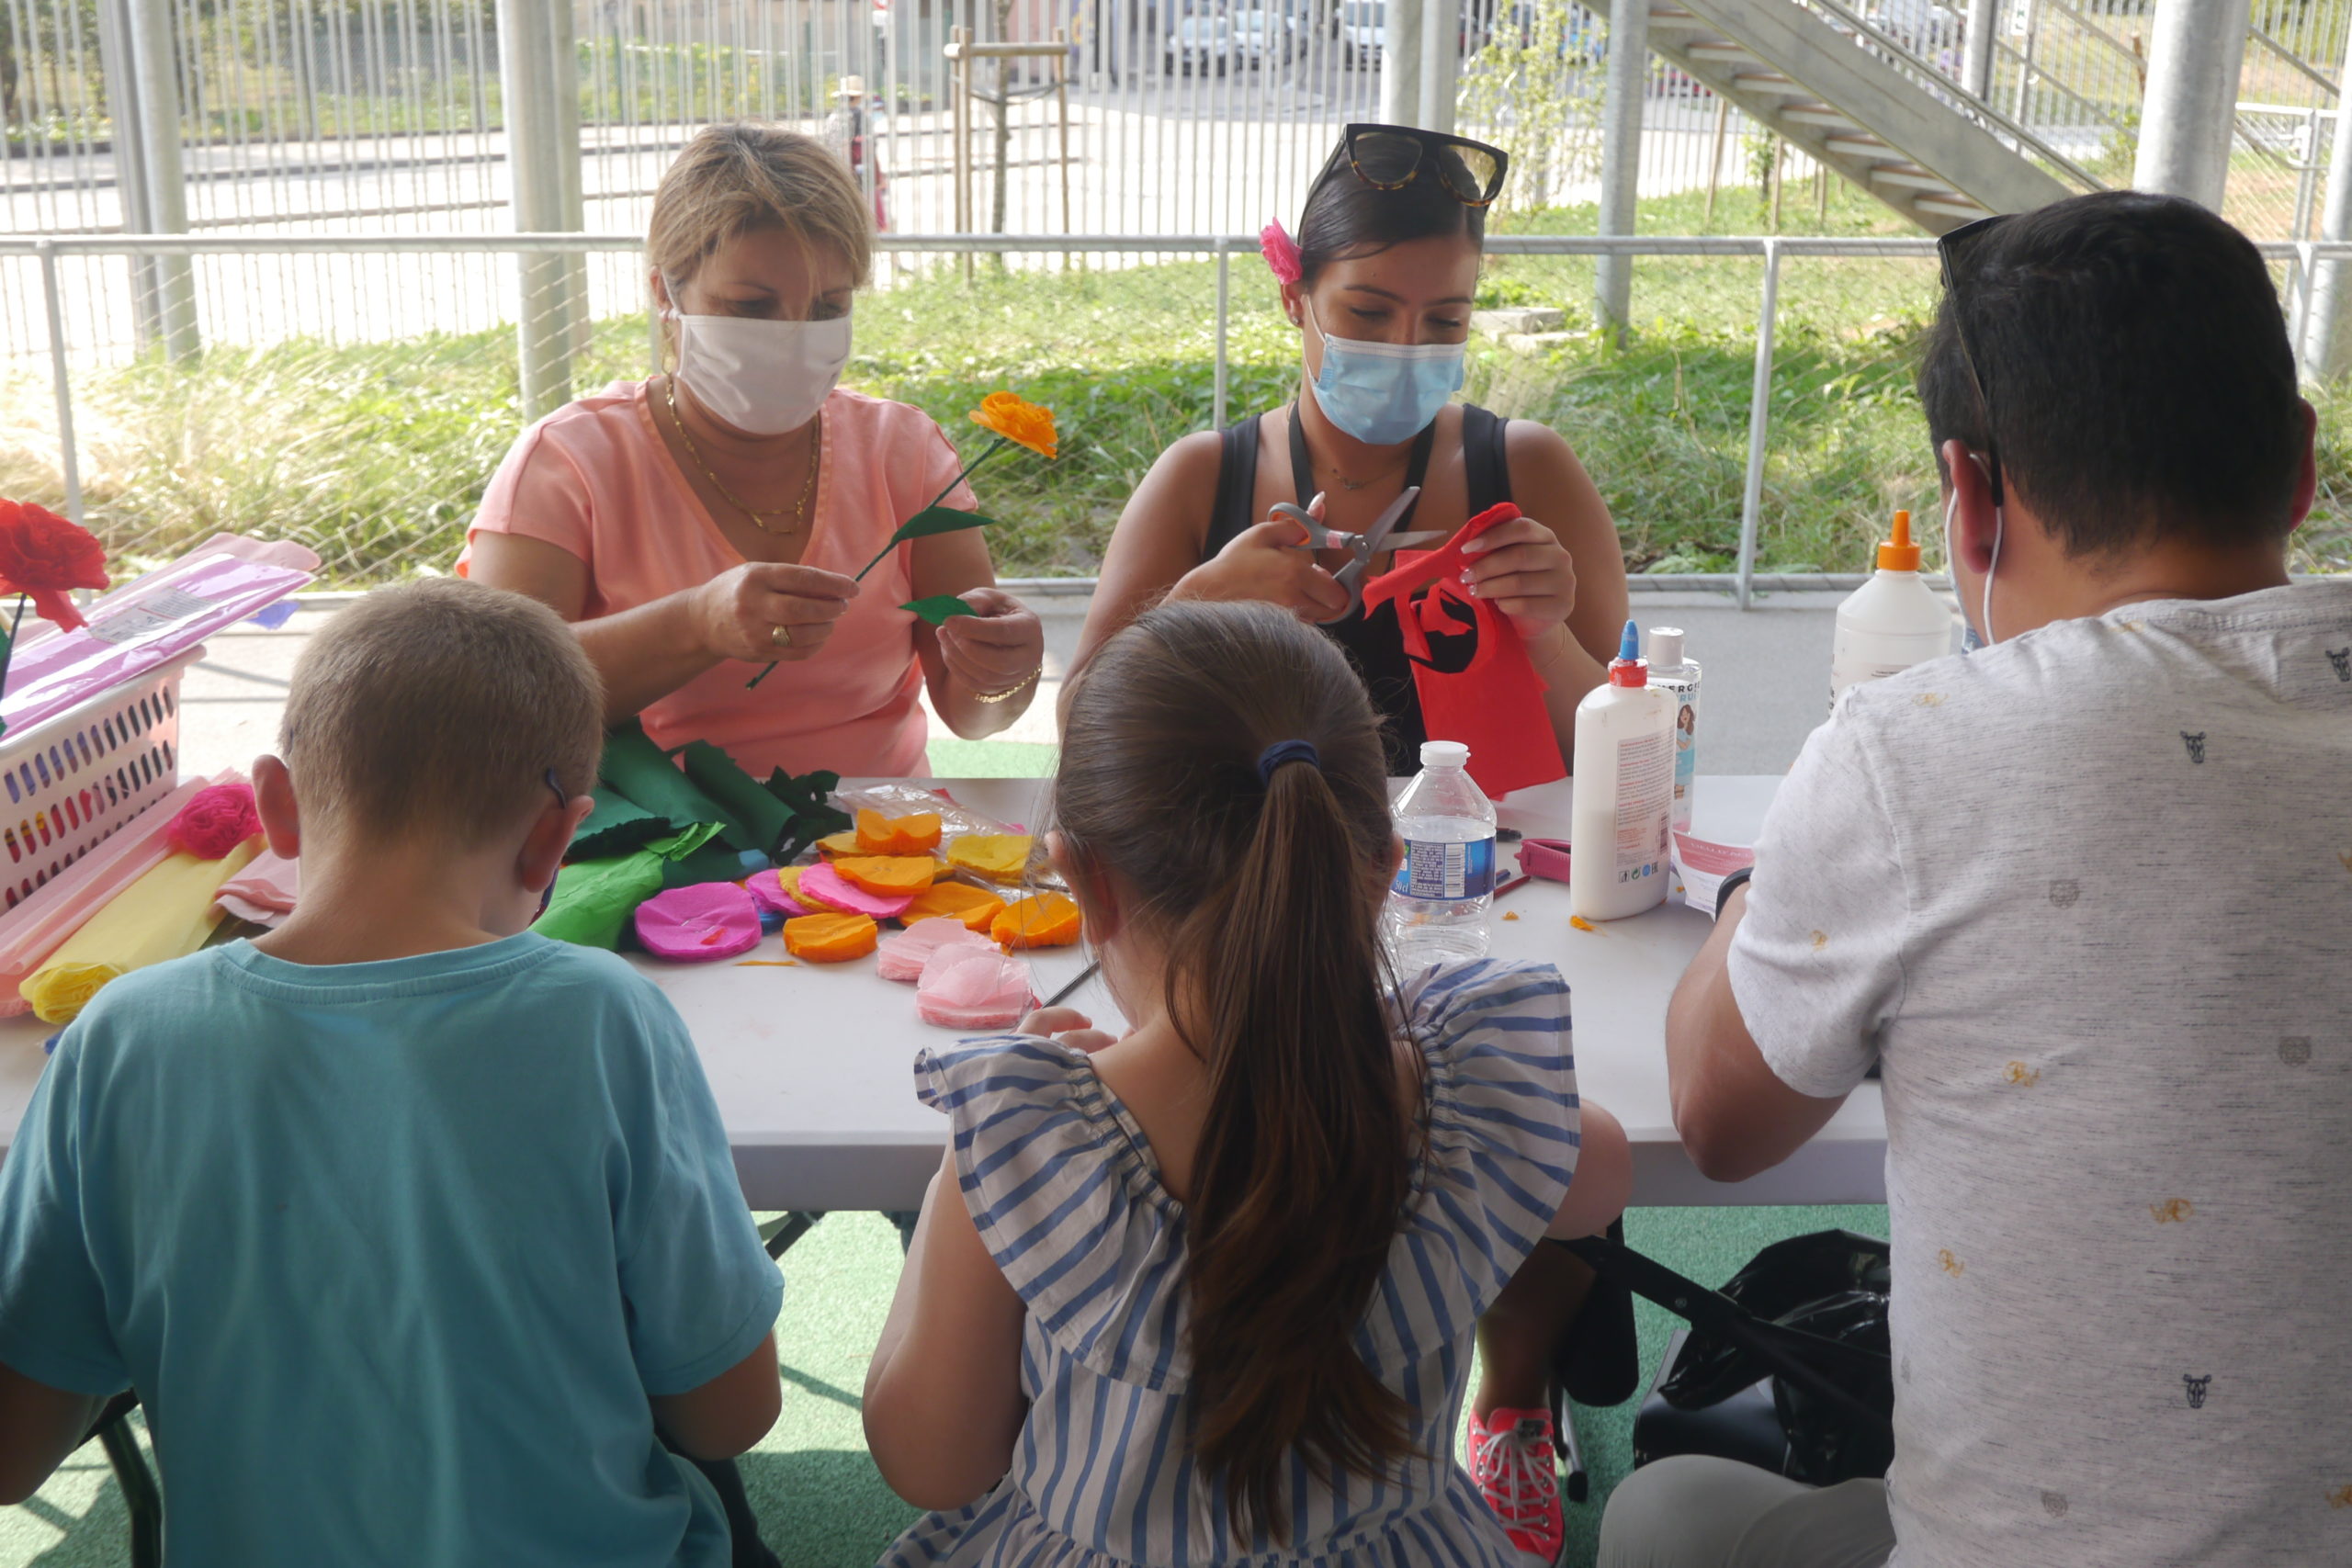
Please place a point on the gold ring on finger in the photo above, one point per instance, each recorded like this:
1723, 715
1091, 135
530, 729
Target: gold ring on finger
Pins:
780, 636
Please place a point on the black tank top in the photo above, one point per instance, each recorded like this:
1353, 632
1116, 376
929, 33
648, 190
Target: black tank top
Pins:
1371, 642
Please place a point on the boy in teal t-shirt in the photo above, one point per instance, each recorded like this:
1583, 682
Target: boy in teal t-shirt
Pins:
408, 1226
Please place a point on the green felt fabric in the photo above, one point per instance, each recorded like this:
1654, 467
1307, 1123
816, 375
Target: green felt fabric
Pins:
594, 898
635, 767
616, 825
712, 863
714, 773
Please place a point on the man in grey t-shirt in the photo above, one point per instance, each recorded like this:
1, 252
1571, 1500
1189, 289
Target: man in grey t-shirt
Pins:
2086, 896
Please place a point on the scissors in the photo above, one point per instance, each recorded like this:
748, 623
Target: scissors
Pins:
1364, 547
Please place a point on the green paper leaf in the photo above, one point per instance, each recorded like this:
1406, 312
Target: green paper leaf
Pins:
940, 608
922, 525
809, 798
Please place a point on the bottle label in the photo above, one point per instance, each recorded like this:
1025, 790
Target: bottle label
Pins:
1447, 871
1645, 793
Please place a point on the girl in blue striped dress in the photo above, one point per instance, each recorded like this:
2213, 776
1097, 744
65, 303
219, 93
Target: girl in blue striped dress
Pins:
1207, 1294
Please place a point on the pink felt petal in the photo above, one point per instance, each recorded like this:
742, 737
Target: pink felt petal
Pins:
695, 925
970, 989
903, 956
768, 893
821, 885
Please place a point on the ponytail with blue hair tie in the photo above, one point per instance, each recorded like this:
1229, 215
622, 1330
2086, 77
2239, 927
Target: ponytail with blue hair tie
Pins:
1283, 751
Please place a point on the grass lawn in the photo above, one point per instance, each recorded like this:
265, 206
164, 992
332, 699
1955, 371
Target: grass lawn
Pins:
375, 455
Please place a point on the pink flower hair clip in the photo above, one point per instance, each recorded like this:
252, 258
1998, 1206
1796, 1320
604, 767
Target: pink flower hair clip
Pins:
1280, 253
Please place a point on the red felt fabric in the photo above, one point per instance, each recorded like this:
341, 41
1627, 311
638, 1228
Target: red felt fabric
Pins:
1494, 705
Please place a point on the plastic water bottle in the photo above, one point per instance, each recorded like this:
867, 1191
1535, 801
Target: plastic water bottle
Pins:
1437, 907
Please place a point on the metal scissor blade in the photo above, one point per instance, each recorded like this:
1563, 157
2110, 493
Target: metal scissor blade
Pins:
1375, 538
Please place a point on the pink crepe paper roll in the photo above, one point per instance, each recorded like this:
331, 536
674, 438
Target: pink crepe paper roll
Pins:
264, 892
767, 891
965, 988
696, 924
904, 956
826, 888
219, 819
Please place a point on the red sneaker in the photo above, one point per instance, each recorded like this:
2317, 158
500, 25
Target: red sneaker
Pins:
1511, 1460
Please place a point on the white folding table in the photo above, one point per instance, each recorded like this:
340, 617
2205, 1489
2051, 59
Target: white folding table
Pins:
811, 1064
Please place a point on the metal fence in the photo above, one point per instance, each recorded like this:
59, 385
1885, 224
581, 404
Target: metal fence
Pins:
420, 530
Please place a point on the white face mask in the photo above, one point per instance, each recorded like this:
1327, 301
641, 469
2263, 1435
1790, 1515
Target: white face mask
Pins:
763, 377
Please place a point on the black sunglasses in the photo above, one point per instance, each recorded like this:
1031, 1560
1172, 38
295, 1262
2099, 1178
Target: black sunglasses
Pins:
1390, 157
1952, 250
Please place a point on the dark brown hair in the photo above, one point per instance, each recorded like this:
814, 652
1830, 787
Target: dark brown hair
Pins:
1266, 896
1344, 218
438, 707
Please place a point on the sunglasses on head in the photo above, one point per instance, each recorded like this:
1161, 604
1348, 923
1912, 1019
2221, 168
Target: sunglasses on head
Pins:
1952, 253
1390, 157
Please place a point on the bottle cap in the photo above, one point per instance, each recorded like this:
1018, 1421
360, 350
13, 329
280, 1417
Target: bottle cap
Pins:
1445, 754
1666, 647
1899, 554
1627, 669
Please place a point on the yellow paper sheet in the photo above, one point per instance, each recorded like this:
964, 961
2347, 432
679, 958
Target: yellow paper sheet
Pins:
166, 914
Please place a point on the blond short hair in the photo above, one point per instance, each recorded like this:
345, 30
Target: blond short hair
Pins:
438, 708
741, 176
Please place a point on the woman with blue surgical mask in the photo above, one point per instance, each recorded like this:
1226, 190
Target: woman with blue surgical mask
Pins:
1379, 283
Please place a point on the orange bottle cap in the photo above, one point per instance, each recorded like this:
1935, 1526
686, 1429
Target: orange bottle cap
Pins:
1899, 554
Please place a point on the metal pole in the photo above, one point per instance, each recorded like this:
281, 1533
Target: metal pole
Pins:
1977, 58
118, 61
2025, 61
535, 154
1224, 310
1715, 160
1759, 422
69, 461
2324, 354
2189, 108
1440, 63
1621, 155
1402, 24
155, 82
564, 68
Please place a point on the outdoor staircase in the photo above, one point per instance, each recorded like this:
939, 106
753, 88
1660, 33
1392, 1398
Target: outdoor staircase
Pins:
1909, 138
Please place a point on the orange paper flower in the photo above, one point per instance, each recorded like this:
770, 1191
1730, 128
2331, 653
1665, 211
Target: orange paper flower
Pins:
1021, 422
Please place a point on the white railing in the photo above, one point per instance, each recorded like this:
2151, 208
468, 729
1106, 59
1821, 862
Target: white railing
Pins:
1743, 581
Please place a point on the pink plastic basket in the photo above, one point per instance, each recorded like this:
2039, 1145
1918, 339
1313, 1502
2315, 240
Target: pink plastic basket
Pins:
72, 779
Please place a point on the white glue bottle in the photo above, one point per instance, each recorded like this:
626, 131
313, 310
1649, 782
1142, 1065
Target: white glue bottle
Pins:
1674, 674
1624, 797
1891, 622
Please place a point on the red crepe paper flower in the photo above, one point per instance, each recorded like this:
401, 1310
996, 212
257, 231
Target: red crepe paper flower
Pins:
1280, 253
44, 556
214, 822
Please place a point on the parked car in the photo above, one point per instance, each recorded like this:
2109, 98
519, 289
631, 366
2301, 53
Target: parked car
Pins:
1362, 23
1263, 35
1201, 37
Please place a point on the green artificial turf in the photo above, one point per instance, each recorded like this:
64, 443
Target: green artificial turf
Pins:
819, 1500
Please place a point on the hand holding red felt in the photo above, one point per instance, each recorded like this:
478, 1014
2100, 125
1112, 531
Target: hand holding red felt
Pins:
1522, 566
1494, 706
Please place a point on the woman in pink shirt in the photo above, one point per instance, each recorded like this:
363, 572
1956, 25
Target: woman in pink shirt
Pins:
697, 525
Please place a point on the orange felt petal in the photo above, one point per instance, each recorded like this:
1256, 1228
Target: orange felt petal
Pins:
830, 939
1041, 919
976, 907
887, 876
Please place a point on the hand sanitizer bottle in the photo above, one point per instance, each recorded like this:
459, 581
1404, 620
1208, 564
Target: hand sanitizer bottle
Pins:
1891, 622
1624, 797
1676, 675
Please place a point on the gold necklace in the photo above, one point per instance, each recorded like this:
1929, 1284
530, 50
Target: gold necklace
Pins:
1389, 472
807, 486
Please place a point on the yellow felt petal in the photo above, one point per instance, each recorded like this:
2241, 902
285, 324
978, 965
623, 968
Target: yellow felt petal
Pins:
166, 914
